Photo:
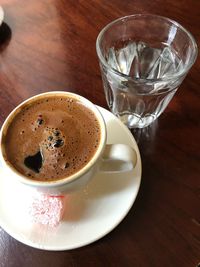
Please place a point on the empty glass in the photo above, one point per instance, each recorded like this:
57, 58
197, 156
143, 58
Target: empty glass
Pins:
143, 60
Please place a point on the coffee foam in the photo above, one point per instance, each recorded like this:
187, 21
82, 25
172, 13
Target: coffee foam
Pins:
65, 131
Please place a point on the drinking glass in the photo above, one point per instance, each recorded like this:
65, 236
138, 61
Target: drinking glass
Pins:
143, 60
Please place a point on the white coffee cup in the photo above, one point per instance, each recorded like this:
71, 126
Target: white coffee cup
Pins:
107, 158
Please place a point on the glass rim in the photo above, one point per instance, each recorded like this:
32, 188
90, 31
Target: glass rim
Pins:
142, 80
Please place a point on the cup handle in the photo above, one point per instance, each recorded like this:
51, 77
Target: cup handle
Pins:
118, 158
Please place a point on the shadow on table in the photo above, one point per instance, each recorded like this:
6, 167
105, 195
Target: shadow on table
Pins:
145, 134
5, 36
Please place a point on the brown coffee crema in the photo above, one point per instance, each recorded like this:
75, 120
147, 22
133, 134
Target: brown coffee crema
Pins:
52, 138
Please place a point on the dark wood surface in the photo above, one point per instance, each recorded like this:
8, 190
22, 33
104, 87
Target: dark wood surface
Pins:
50, 45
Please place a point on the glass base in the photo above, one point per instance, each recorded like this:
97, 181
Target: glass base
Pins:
136, 121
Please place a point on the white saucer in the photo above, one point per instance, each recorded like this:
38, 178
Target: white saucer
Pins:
1, 15
90, 213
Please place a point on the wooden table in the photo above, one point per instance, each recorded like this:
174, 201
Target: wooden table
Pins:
50, 45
